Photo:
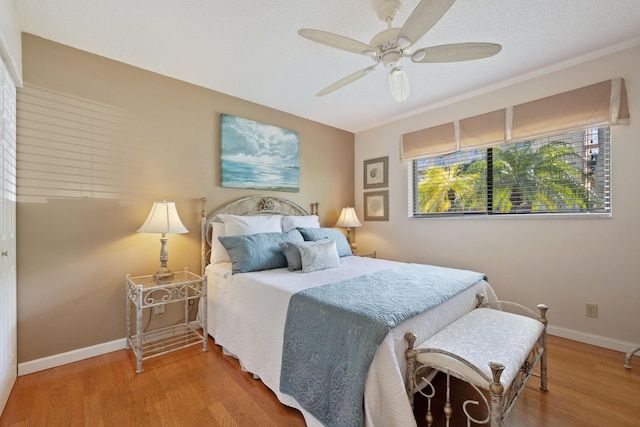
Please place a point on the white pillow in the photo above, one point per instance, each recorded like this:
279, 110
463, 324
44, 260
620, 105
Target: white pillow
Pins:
218, 252
235, 225
307, 221
318, 255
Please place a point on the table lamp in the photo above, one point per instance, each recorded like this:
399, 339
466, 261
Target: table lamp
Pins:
163, 219
348, 219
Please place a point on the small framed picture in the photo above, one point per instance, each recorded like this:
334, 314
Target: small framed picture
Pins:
376, 206
376, 173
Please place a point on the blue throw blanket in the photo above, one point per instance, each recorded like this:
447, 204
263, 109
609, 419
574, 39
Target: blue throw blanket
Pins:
333, 331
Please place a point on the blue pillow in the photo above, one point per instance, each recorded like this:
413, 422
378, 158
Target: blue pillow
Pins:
314, 234
261, 251
292, 254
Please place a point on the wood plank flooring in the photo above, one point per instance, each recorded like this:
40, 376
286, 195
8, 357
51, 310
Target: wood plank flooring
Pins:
588, 386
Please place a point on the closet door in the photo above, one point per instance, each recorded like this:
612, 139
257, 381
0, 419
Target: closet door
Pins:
8, 317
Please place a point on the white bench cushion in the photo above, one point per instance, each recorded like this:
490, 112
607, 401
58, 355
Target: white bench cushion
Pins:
481, 336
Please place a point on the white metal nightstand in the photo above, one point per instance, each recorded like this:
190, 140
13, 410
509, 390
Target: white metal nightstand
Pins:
145, 292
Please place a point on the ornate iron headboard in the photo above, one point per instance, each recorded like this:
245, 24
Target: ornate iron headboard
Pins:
252, 205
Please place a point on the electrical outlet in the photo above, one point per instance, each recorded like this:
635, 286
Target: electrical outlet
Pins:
158, 309
592, 310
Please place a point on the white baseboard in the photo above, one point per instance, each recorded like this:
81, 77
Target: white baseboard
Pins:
586, 338
32, 366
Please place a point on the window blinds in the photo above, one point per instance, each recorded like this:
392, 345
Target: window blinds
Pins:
600, 104
567, 173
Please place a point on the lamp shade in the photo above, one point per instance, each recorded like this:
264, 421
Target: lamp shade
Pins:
164, 219
348, 218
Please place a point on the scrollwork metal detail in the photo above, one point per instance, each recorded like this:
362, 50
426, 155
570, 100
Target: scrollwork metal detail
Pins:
196, 289
168, 294
427, 389
266, 205
131, 293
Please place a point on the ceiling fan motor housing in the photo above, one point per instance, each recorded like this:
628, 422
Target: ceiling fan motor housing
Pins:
391, 59
386, 40
386, 43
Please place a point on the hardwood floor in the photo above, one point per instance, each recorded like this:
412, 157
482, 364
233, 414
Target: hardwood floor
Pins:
588, 386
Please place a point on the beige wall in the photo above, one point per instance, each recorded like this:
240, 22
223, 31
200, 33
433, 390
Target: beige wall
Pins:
73, 252
564, 263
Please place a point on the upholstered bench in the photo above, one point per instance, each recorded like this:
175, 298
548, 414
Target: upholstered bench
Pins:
491, 349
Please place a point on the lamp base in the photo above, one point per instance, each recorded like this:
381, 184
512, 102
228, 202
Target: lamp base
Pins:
164, 274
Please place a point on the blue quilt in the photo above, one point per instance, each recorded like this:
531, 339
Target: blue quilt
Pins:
332, 333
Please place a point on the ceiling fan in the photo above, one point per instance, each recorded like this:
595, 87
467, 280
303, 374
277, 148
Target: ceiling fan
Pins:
391, 45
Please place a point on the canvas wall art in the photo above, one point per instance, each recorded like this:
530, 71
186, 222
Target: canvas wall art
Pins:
259, 156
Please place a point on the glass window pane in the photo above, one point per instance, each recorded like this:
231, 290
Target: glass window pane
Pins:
567, 173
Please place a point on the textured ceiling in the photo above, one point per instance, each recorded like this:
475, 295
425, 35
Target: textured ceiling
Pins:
250, 48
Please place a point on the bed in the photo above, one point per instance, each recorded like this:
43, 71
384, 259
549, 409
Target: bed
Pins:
248, 310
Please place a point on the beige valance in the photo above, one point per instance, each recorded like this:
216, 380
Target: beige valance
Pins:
441, 140
600, 104
483, 130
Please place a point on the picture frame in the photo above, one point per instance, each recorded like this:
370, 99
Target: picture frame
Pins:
258, 155
376, 173
376, 205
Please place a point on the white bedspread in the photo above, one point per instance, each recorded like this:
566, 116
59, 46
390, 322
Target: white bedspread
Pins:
247, 313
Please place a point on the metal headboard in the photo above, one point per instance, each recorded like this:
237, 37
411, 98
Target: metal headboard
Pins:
252, 205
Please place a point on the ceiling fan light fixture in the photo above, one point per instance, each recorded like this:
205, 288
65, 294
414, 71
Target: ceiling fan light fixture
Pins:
398, 84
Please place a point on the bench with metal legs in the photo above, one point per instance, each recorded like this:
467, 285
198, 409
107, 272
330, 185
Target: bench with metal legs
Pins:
491, 349
627, 362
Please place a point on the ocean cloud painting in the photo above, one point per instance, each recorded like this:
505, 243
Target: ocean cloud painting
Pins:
259, 156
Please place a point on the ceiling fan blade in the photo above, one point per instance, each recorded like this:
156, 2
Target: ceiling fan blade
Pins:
337, 41
423, 17
398, 84
455, 52
346, 80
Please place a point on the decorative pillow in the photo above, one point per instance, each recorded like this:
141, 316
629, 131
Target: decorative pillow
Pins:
318, 255
218, 252
293, 221
314, 234
292, 254
235, 225
261, 251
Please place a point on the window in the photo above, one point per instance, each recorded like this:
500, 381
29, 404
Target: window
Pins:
567, 173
